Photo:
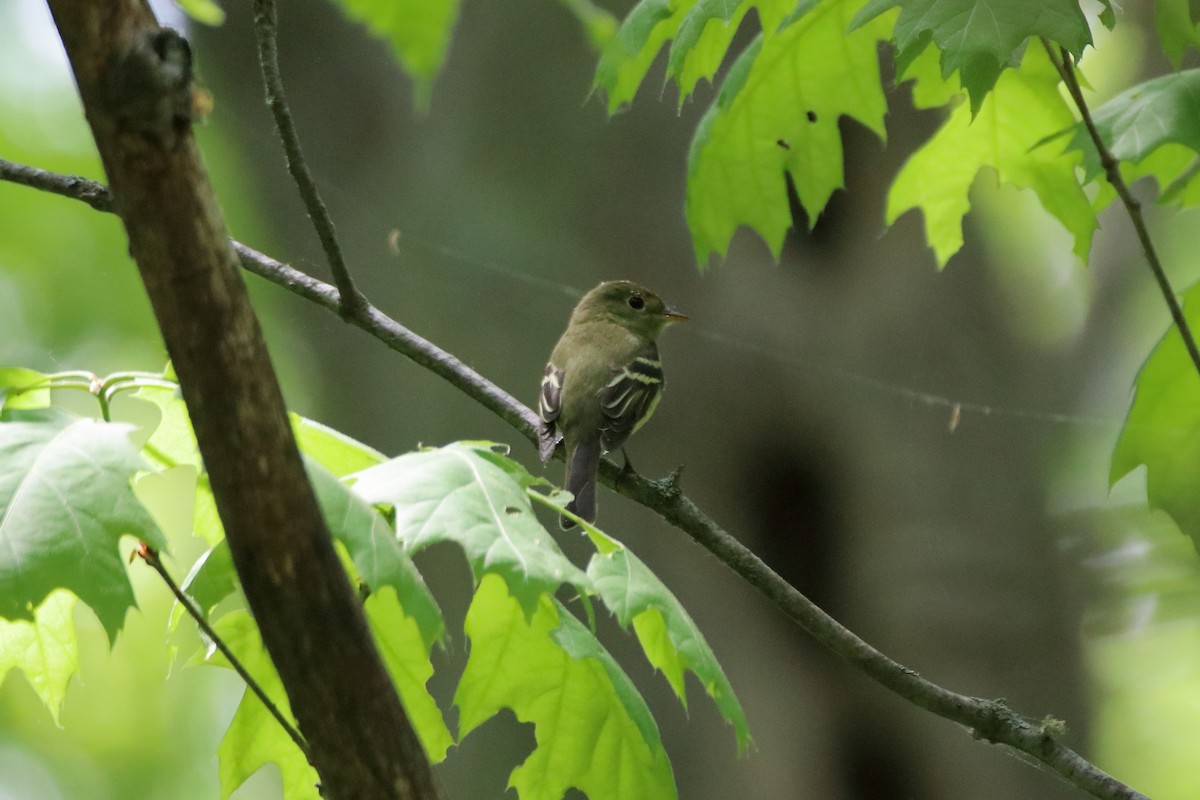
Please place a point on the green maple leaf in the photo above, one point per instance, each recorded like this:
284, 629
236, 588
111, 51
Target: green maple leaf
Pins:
22, 388
702, 41
329, 454
593, 729
65, 502
333, 450
1176, 23
405, 649
454, 493
418, 31
1162, 430
1007, 134
777, 111
700, 32
1175, 167
172, 445
206, 521
628, 55
254, 737
379, 557
979, 39
172, 441
1140, 120
44, 649
211, 579
668, 636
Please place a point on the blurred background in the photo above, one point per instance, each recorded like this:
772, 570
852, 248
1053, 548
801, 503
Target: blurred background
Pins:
812, 402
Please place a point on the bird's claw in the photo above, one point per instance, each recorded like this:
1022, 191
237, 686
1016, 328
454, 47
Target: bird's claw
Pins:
670, 483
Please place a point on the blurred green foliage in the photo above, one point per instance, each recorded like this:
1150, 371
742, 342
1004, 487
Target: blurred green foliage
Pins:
70, 298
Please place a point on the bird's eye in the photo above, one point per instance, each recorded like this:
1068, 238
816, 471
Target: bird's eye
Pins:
637, 302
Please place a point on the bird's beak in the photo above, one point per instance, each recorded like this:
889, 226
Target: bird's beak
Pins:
674, 315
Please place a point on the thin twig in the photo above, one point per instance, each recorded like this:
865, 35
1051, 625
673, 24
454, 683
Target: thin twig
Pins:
266, 25
990, 720
150, 556
76, 187
1112, 171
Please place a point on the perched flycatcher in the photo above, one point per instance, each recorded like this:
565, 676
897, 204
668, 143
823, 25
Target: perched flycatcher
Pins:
603, 382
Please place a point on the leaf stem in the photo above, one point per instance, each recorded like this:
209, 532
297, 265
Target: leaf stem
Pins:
104, 389
990, 720
266, 25
1133, 208
52, 382
150, 556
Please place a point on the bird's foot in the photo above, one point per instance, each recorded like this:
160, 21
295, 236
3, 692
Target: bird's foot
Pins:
626, 469
669, 484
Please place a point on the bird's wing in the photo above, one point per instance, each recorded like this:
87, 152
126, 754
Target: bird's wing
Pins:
630, 396
549, 407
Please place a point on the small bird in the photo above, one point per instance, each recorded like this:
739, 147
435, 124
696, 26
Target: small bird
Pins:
603, 382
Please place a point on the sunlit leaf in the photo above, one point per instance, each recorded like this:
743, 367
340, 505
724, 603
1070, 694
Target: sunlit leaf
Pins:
702, 41
1162, 430
700, 32
254, 737
592, 728
65, 502
669, 637
930, 88
206, 521
937, 178
636, 596
44, 649
455, 494
628, 55
333, 450
173, 441
17, 389
778, 111
378, 555
405, 651
169, 495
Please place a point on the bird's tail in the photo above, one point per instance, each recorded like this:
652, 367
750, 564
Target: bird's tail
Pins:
583, 461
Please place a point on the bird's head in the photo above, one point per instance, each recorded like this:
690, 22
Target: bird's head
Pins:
628, 304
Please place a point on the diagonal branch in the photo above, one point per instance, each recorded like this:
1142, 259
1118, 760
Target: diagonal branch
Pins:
990, 720
1112, 171
266, 24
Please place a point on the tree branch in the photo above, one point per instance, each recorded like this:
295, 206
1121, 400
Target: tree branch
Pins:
76, 187
1133, 208
990, 720
266, 20
134, 79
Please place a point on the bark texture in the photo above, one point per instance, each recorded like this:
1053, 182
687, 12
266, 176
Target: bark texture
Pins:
135, 82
